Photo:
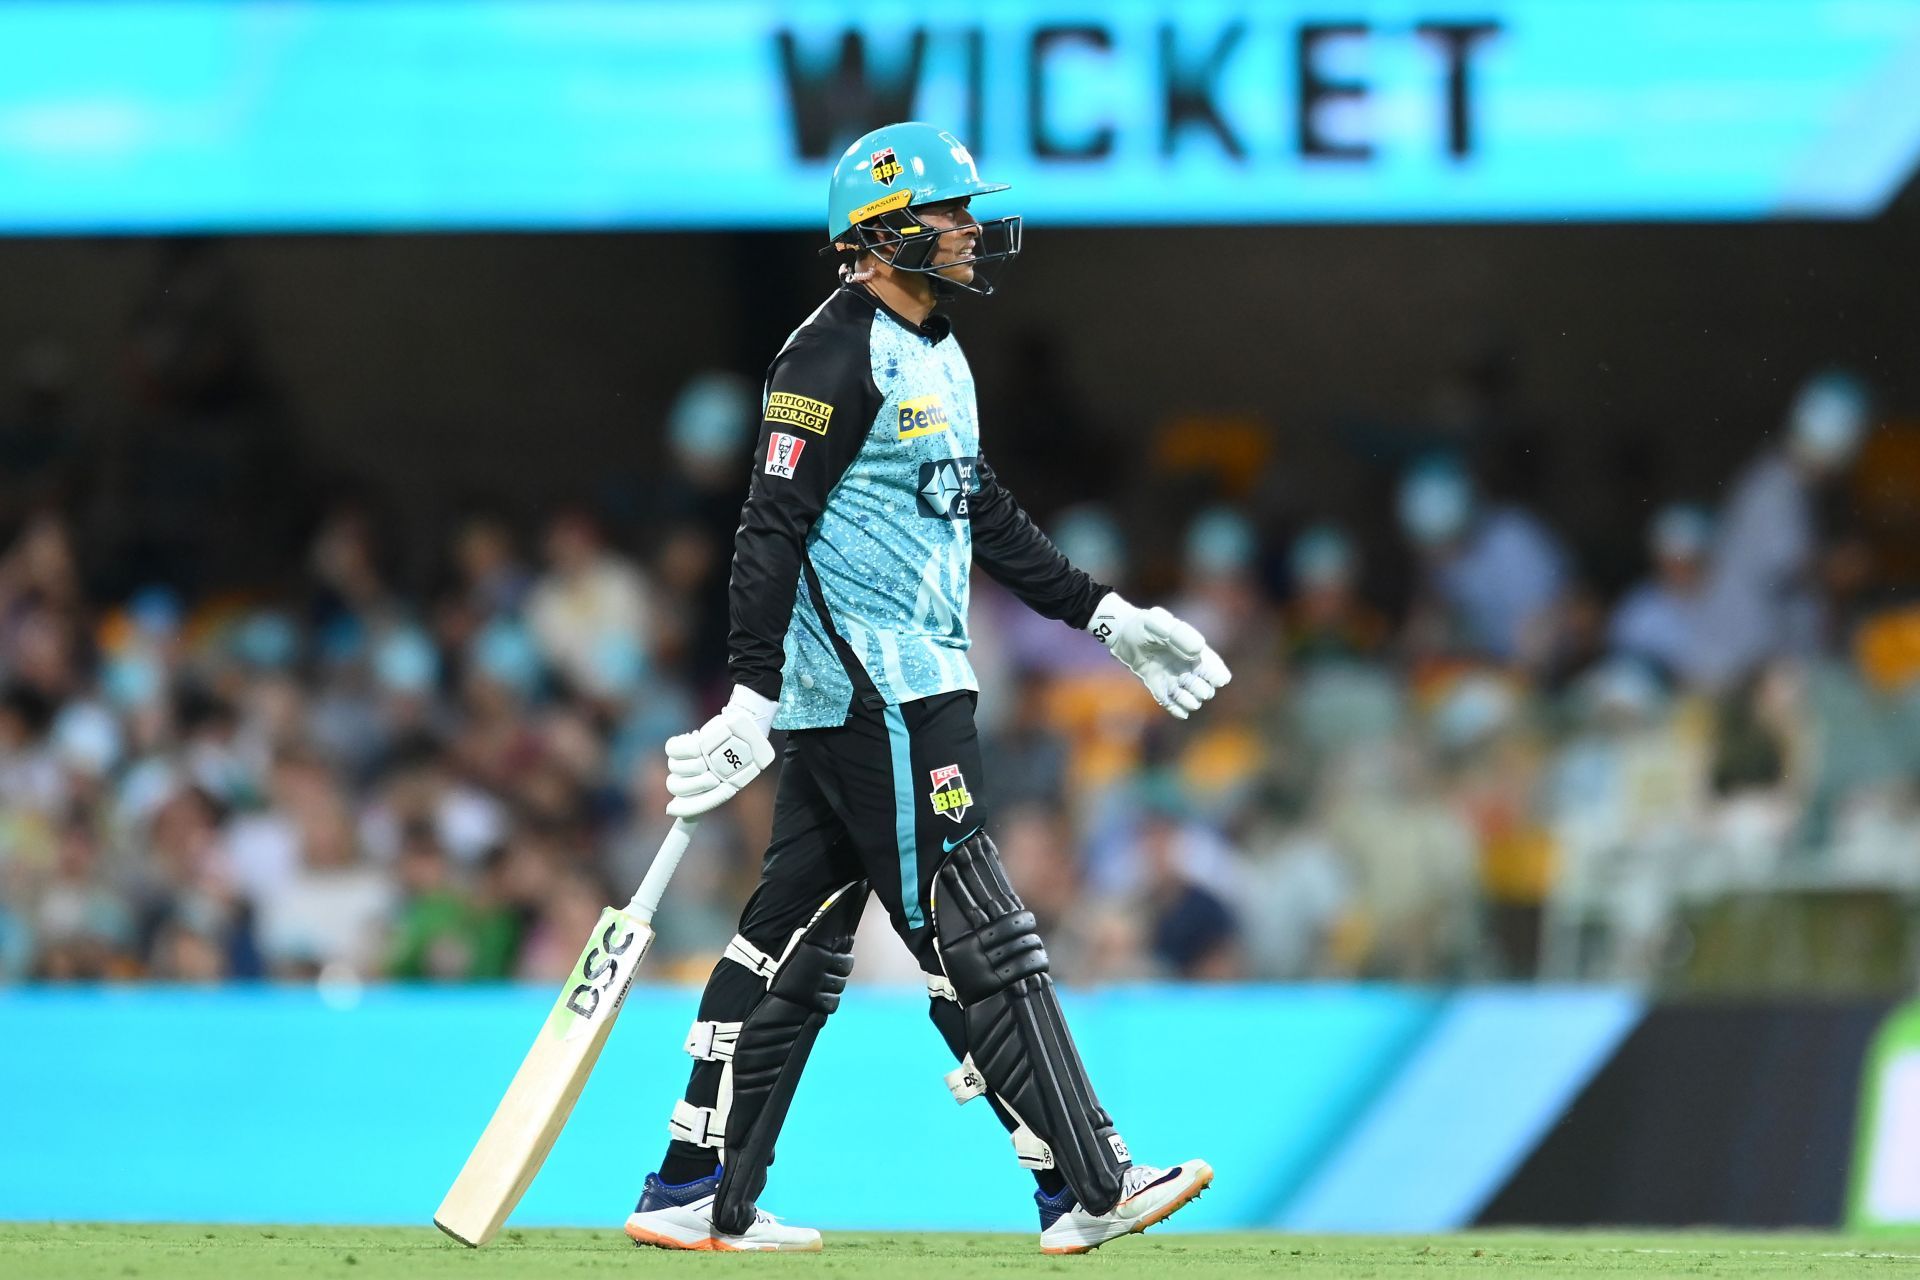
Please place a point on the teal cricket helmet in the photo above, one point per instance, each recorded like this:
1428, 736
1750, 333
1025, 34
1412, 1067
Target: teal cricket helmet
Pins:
883, 181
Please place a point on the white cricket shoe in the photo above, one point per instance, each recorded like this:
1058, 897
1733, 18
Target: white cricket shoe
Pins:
681, 1217
1147, 1195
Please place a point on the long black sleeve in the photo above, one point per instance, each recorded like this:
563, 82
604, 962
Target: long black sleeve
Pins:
1017, 555
821, 403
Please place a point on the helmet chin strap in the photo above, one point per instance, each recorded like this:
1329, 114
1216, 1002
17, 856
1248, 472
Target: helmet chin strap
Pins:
943, 287
853, 273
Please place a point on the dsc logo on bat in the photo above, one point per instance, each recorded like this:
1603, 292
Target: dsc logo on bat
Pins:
600, 970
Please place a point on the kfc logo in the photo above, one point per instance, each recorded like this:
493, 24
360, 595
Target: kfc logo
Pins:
783, 454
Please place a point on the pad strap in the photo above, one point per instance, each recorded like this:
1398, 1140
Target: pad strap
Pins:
742, 952
713, 1041
1028, 1147
702, 1126
1031, 1150
965, 1081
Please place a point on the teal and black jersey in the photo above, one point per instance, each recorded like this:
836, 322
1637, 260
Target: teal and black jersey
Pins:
869, 503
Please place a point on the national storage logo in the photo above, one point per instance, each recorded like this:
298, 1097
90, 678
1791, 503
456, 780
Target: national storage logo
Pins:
799, 411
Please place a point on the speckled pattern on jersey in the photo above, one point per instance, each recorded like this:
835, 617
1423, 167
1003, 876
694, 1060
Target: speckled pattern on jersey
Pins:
894, 548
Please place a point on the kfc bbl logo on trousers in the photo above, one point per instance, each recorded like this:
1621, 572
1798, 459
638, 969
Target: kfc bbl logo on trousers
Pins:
950, 795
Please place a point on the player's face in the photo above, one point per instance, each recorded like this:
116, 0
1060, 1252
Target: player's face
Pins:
961, 236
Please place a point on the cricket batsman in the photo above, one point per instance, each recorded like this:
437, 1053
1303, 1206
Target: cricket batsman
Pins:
870, 503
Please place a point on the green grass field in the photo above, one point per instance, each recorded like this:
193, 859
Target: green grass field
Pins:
58, 1252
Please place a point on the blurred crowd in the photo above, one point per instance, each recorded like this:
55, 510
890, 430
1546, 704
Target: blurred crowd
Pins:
1489, 768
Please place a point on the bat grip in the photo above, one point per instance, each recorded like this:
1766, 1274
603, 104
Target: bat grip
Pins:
646, 899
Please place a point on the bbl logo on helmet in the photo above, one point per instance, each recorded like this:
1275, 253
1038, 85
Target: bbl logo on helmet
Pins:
950, 795
885, 166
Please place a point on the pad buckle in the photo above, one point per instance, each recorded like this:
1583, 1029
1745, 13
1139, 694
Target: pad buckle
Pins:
713, 1041
702, 1126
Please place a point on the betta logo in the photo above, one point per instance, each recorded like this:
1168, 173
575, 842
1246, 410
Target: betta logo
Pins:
922, 416
885, 166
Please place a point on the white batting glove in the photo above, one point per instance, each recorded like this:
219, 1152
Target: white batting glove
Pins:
1171, 657
708, 767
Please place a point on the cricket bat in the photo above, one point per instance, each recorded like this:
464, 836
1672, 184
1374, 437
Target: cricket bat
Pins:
541, 1097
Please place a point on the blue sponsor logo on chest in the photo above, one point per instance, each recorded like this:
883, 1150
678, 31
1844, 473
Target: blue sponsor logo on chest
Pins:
946, 488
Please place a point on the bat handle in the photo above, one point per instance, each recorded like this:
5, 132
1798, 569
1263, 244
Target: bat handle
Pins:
646, 899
